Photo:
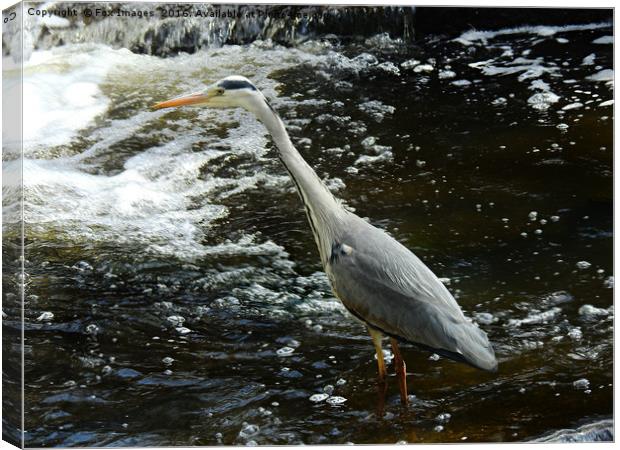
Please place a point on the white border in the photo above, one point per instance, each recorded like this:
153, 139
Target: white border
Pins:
481, 3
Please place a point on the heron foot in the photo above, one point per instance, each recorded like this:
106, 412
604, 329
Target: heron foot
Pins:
401, 372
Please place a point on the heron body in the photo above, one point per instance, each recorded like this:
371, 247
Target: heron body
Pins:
378, 280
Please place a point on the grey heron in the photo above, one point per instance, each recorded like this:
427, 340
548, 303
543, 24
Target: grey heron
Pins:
378, 280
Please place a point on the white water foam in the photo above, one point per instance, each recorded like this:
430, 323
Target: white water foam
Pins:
482, 37
163, 197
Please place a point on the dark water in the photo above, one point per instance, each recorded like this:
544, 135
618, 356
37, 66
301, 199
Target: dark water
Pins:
175, 257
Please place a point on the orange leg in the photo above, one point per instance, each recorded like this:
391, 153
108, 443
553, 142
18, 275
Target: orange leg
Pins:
401, 371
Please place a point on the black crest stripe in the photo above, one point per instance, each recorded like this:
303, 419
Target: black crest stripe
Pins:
236, 84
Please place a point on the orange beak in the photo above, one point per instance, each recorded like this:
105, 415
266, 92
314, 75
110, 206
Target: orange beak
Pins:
192, 99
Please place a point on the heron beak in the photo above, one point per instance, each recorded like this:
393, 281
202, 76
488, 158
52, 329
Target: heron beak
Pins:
192, 99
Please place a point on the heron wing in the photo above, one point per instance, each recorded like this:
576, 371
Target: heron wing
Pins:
387, 286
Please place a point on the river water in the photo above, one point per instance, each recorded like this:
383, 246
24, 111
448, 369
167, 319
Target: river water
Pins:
188, 305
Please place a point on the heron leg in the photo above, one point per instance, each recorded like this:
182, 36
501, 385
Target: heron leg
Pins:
401, 371
376, 340
381, 384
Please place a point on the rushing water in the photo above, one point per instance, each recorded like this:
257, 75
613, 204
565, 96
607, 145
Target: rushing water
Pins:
175, 295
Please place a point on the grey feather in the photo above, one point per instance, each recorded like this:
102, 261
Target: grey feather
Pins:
385, 284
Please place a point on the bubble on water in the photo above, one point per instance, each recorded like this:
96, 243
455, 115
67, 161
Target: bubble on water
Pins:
561, 126
581, 383
336, 400
583, 265
423, 68
559, 297
176, 320
316, 398
538, 231
92, 329
543, 222
522, 390
604, 40
446, 74
533, 215
420, 163
445, 281
434, 357
588, 60
376, 109
461, 83
499, 101
82, 266
285, 351
606, 103
167, 360
543, 100
368, 142
293, 343
183, 330
329, 389
443, 417
589, 312
575, 105
248, 430
609, 282
554, 218
438, 428
537, 318
575, 333
45, 316
340, 382
264, 412
485, 318
602, 75
388, 356
409, 64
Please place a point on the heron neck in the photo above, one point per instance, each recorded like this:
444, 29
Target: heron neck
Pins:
322, 208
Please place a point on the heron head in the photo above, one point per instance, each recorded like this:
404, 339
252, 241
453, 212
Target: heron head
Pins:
231, 92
